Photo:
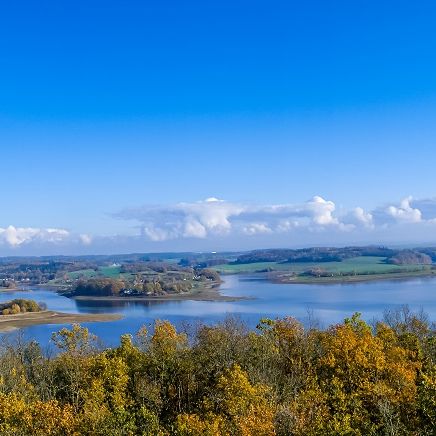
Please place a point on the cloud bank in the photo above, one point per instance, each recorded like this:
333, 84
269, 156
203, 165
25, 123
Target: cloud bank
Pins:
16, 236
220, 225
218, 218
214, 217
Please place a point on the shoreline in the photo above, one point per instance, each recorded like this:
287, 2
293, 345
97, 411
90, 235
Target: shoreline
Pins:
209, 292
352, 279
199, 295
212, 292
13, 322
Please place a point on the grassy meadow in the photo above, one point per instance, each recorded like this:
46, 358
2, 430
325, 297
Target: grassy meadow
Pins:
358, 265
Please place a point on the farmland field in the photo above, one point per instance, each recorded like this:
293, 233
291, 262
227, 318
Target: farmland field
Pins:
107, 271
357, 265
110, 271
88, 273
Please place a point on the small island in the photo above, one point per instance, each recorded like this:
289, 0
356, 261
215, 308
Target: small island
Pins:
23, 313
149, 281
20, 305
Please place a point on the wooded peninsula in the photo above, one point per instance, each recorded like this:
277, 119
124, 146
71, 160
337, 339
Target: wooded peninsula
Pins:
198, 275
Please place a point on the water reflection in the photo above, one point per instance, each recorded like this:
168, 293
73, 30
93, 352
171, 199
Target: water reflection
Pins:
98, 306
326, 304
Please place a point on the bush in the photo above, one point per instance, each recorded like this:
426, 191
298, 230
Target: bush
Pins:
19, 305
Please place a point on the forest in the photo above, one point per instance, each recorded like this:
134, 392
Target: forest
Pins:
352, 378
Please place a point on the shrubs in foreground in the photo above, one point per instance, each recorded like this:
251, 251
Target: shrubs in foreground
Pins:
282, 379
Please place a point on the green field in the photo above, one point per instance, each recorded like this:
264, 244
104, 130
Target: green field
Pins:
243, 268
110, 271
357, 265
82, 273
106, 271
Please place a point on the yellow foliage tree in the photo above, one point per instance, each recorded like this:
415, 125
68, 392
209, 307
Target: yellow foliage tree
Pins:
38, 418
359, 371
237, 408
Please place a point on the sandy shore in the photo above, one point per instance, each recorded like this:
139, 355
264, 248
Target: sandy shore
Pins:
12, 322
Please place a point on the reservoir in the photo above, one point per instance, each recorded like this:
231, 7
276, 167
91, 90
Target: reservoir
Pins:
320, 304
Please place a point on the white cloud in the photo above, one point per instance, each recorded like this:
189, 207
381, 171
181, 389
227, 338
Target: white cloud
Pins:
157, 234
322, 211
16, 236
215, 217
358, 217
405, 212
185, 220
287, 225
314, 221
194, 229
256, 228
215, 222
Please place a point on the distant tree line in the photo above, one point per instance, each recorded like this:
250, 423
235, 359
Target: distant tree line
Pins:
39, 271
207, 263
159, 267
101, 287
334, 254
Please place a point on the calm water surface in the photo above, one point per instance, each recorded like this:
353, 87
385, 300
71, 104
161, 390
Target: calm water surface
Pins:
327, 303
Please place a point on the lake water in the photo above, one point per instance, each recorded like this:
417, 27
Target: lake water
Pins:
326, 303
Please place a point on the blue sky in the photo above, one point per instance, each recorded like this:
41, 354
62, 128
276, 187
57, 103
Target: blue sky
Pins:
119, 119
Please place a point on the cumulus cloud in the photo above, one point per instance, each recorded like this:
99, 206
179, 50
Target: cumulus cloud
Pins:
224, 224
287, 225
359, 217
215, 217
187, 220
193, 228
322, 211
16, 236
256, 228
405, 212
